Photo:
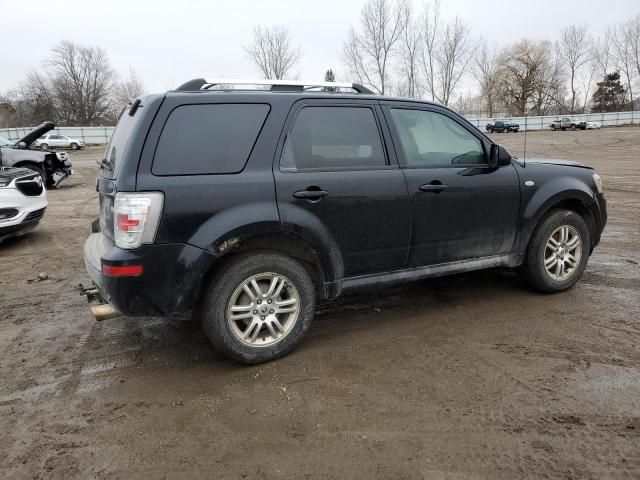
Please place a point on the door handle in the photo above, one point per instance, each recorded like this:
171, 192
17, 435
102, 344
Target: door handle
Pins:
433, 187
311, 194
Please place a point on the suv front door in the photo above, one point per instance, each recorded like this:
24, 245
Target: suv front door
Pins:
335, 178
461, 209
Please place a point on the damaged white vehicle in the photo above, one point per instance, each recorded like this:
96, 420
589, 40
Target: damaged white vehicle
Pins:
54, 167
23, 200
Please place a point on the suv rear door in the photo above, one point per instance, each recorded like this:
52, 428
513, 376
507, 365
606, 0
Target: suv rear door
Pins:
461, 208
335, 178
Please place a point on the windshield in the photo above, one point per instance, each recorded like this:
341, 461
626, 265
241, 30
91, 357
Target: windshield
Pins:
4, 142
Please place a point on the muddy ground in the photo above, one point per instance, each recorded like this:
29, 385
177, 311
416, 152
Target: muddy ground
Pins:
467, 377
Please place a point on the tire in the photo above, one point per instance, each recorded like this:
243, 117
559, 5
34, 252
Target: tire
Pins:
226, 290
44, 146
553, 128
74, 146
538, 252
573, 128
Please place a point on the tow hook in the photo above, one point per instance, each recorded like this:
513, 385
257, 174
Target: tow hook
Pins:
101, 310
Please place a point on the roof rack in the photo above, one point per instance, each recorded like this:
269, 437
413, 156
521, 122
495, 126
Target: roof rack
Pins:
276, 85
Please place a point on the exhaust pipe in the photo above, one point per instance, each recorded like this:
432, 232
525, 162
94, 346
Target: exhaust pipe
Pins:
104, 311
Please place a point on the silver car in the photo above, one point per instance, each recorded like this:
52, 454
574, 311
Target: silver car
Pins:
56, 140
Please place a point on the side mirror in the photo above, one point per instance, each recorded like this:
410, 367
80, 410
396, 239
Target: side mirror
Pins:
499, 156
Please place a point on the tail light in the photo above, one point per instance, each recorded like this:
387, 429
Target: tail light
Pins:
136, 217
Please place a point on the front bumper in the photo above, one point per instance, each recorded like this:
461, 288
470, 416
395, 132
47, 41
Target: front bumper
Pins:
170, 282
599, 209
31, 210
59, 172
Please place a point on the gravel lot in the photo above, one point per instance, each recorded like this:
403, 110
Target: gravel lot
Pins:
468, 377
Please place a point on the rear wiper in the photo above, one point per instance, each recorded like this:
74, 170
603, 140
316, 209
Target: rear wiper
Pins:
104, 163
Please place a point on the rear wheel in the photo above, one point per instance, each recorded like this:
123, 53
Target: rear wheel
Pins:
558, 252
74, 146
259, 307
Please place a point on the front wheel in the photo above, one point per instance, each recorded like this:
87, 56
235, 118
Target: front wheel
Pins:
259, 307
553, 128
44, 146
558, 252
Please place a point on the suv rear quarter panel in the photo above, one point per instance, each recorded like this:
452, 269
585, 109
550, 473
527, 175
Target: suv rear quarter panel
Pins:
208, 210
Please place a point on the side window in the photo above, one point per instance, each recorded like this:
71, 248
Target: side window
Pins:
433, 139
333, 137
208, 139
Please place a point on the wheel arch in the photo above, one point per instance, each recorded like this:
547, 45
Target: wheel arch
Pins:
578, 198
34, 163
320, 266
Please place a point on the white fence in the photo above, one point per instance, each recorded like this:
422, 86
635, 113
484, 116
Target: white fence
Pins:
612, 119
90, 135
102, 135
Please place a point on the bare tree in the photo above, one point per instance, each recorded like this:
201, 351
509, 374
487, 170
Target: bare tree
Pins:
82, 82
272, 52
409, 48
573, 52
446, 53
457, 49
430, 32
128, 90
528, 78
634, 39
367, 52
622, 40
486, 69
601, 53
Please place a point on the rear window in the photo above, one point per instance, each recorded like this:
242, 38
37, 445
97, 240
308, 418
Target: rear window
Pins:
118, 143
208, 139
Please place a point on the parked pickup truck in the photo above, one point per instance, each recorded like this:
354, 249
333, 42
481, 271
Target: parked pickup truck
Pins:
503, 126
244, 209
568, 123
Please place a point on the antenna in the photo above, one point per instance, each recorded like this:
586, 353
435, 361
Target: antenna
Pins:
524, 153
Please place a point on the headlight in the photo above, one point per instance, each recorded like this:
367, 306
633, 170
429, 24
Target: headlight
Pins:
598, 181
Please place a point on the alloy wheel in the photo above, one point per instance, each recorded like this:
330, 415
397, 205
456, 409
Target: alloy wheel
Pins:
263, 309
562, 252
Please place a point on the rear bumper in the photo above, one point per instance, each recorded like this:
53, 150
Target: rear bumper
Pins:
168, 286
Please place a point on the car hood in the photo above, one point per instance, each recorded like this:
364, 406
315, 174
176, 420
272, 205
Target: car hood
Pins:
36, 133
552, 161
12, 172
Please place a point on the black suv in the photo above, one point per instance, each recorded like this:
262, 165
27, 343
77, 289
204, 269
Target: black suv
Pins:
502, 126
242, 208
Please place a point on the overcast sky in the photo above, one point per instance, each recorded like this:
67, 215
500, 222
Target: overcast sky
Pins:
168, 43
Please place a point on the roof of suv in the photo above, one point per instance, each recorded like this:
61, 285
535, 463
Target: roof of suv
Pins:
294, 88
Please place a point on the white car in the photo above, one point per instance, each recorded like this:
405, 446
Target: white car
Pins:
23, 200
56, 140
593, 125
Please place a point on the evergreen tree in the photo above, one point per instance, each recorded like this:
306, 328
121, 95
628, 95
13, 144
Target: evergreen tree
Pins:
329, 76
610, 95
